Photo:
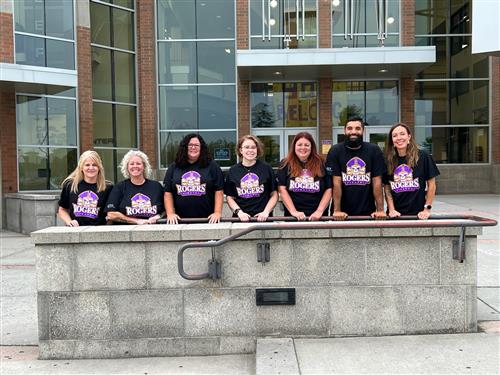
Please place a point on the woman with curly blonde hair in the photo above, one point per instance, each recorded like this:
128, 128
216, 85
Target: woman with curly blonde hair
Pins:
410, 182
84, 193
136, 200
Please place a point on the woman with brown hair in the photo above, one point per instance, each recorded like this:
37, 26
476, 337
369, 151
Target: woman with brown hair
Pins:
305, 188
250, 185
409, 170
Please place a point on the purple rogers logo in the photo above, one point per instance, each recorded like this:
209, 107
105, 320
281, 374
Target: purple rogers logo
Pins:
86, 205
191, 185
355, 173
304, 183
249, 186
403, 180
141, 206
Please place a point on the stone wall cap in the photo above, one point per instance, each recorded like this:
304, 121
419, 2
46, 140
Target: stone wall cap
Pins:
32, 196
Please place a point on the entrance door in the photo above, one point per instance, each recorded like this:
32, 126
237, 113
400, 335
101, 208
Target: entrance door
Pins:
277, 142
373, 134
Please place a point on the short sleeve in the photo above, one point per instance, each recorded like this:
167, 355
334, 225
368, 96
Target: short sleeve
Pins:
281, 175
332, 165
378, 167
64, 198
229, 186
431, 167
114, 199
217, 175
327, 180
273, 184
167, 181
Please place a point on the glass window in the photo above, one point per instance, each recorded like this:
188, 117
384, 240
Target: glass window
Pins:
33, 168
29, 16
123, 29
124, 77
301, 104
61, 122
220, 143
101, 74
31, 120
123, 3
430, 17
126, 132
59, 15
177, 62
100, 24
60, 54
62, 161
178, 107
267, 102
455, 145
111, 162
216, 62
103, 125
451, 102
175, 19
376, 101
214, 18
217, 107
30, 50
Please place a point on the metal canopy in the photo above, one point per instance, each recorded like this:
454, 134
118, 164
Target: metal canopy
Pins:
35, 77
334, 63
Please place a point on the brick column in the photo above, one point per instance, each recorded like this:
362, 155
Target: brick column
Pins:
406, 94
324, 24
242, 41
407, 22
495, 109
8, 139
146, 72
85, 107
243, 108
325, 110
6, 38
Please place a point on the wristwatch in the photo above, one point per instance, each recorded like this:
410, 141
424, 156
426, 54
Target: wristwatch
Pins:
428, 206
236, 211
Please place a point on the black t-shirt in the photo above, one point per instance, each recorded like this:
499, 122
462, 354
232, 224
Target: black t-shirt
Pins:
356, 168
306, 191
408, 185
86, 205
193, 188
251, 187
139, 201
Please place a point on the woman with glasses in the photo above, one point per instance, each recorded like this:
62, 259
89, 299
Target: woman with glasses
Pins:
250, 185
193, 183
303, 184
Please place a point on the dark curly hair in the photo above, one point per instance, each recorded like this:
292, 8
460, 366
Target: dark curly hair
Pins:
181, 158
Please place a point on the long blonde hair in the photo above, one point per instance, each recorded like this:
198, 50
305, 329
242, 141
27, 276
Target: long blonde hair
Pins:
391, 155
77, 176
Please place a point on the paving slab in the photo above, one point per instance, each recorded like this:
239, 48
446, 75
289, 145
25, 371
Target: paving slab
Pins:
477, 353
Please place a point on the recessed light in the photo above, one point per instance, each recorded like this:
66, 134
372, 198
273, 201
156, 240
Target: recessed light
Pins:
227, 50
274, 3
383, 71
272, 21
335, 3
390, 20
277, 73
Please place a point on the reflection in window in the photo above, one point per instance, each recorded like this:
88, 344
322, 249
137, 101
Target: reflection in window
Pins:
276, 105
455, 145
375, 101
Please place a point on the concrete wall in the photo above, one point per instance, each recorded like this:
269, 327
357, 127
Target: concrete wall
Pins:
468, 179
115, 291
25, 213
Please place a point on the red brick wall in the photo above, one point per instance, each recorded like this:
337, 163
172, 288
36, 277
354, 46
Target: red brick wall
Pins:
84, 66
146, 70
243, 108
406, 93
495, 109
325, 110
6, 38
407, 22
8, 139
242, 24
325, 23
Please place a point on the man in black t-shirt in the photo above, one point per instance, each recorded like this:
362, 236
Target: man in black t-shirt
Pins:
356, 168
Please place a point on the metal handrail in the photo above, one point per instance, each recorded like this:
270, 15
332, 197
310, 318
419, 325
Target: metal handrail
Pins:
356, 222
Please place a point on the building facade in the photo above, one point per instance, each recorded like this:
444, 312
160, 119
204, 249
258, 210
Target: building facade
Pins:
119, 74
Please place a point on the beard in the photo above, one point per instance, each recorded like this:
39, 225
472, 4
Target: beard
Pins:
354, 141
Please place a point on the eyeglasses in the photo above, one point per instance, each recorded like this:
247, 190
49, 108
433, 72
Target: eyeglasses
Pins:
194, 146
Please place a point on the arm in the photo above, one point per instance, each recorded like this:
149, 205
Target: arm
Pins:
390, 202
219, 201
168, 200
337, 197
63, 214
429, 198
121, 218
379, 198
271, 203
287, 201
323, 204
243, 216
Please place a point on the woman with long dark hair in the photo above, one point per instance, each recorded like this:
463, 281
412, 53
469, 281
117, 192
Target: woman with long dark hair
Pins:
304, 186
250, 185
193, 183
410, 182
84, 193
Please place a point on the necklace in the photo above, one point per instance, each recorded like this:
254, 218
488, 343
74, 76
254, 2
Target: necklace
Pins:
248, 168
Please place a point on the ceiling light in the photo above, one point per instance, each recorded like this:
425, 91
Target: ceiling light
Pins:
335, 3
227, 50
274, 3
277, 73
465, 45
383, 70
272, 21
390, 20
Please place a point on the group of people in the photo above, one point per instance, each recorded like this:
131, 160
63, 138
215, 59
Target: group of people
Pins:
352, 182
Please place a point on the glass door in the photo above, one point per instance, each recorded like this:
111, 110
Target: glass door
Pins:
377, 135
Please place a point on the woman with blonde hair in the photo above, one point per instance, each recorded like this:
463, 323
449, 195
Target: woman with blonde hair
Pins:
136, 200
84, 193
250, 185
410, 182
303, 184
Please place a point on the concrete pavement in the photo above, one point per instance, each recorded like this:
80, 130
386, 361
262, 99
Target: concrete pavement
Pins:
469, 353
